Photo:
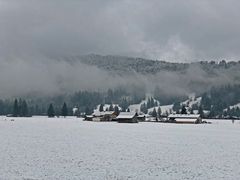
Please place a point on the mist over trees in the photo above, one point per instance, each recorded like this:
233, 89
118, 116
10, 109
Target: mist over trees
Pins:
67, 75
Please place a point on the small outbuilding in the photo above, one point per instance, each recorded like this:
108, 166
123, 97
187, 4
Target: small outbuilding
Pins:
185, 118
141, 117
127, 117
88, 118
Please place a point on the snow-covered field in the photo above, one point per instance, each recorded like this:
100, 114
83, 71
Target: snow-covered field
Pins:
42, 148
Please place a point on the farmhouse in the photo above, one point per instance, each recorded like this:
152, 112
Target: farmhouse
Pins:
127, 117
103, 116
185, 118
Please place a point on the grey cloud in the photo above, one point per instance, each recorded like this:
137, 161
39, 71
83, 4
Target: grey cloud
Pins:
171, 30
34, 30
47, 77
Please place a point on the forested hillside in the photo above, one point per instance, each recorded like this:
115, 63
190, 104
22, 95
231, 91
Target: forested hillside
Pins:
126, 81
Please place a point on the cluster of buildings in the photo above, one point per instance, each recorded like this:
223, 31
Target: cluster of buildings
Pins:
133, 117
128, 117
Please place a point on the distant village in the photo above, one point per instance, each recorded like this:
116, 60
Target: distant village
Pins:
149, 109
104, 115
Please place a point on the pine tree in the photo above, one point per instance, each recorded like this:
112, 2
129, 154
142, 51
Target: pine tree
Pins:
148, 103
78, 113
111, 108
88, 111
152, 102
116, 110
225, 113
64, 111
166, 113
143, 108
212, 113
101, 108
124, 104
176, 106
15, 108
51, 112
36, 110
154, 113
184, 110
20, 108
200, 111
159, 112
238, 112
24, 109
191, 112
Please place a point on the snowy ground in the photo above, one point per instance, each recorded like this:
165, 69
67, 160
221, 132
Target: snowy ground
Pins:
42, 148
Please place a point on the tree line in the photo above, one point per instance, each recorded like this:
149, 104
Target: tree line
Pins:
216, 101
20, 109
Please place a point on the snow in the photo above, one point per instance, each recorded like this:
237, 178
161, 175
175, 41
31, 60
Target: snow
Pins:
169, 108
186, 116
106, 106
137, 107
234, 106
59, 148
186, 120
98, 113
192, 100
164, 109
126, 115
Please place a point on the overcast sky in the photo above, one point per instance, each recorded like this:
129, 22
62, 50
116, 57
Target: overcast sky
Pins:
172, 30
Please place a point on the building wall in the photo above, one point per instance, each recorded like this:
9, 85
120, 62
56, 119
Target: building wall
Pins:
132, 120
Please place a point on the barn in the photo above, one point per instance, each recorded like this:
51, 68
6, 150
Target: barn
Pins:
127, 117
185, 118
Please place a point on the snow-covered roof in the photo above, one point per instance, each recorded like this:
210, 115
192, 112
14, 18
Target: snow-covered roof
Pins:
184, 116
98, 113
186, 119
126, 115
